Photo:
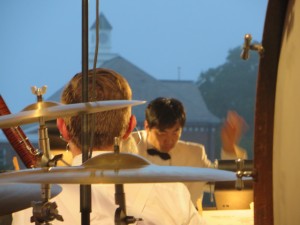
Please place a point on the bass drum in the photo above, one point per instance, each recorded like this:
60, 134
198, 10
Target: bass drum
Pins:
277, 118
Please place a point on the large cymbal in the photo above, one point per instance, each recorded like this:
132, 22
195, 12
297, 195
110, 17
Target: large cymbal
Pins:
113, 168
16, 197
52, 110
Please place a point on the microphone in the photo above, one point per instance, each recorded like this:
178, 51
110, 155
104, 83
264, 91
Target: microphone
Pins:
246, 47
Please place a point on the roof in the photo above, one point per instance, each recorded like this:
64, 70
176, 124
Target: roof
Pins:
103, 23
192, 100
146, 87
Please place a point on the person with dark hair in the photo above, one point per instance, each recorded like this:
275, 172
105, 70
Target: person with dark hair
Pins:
154, 203
160, 141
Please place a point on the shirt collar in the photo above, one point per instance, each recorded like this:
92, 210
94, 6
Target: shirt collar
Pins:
77, 160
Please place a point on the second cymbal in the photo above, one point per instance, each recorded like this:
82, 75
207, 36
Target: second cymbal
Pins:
119, 172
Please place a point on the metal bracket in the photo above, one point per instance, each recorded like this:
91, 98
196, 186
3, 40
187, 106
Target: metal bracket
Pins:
248, 46
240, 173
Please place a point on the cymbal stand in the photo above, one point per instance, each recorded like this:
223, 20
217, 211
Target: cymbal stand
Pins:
120, 215
242, 168
241, 172
44, 211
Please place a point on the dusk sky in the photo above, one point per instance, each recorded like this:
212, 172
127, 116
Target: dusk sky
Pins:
41, 40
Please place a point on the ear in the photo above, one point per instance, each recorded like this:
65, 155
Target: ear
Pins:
60, 123
146, 125
131, 126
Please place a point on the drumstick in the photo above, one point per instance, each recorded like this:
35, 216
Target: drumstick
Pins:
16, 163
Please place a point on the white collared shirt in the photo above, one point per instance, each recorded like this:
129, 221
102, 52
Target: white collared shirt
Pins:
156, 204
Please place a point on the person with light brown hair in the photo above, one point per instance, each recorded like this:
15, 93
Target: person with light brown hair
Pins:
108, 85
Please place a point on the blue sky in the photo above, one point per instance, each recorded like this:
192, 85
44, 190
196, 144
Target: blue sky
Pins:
41, 40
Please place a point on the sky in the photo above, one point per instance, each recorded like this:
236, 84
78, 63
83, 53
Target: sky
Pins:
40, 41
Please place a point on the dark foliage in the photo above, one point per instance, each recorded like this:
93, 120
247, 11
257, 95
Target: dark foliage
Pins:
232, 86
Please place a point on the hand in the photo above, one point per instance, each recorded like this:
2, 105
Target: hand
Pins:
232, 130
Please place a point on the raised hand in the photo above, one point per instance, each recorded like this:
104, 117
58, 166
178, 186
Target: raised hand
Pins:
232, 130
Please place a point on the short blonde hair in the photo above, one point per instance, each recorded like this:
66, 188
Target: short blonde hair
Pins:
107, 85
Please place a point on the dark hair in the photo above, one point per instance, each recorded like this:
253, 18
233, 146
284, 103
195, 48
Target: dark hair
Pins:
164, 113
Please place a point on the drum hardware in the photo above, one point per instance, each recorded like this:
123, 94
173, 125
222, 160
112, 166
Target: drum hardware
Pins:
121, 217
112, 168
31, 157
240, 173
116, 168
16, 197
44, 211
248, 46
211, 186
242, 168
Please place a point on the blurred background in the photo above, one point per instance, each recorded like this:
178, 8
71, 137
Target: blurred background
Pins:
184, 49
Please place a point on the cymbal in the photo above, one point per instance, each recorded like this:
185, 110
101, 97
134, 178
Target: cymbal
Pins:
52, 110
16, 197
111, 168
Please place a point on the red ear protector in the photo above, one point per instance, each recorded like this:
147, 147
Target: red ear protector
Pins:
131, 126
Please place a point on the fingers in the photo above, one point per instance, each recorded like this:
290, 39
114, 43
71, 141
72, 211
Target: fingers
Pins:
237, 122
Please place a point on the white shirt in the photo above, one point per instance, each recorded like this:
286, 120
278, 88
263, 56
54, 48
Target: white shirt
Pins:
156, 204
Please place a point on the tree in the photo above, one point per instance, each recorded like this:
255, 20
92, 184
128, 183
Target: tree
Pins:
232, 86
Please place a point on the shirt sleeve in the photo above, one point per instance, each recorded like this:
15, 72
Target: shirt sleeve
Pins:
240, 153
